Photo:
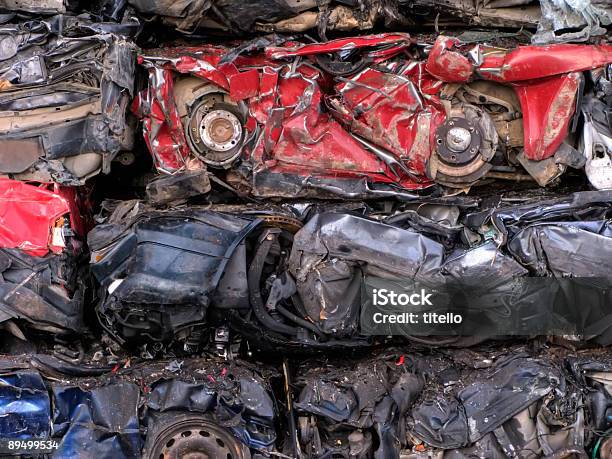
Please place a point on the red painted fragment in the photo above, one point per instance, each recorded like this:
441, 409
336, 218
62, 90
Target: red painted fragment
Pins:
534, 62
340, 44
548, 106
447, 64
28, 215
244, 85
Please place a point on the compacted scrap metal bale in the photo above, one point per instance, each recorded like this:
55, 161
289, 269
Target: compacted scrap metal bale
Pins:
306, 229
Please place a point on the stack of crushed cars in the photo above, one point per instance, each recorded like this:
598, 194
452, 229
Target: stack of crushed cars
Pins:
194, 193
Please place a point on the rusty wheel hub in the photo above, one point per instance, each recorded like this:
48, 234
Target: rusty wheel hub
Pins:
220, 130
465, 144
458, 141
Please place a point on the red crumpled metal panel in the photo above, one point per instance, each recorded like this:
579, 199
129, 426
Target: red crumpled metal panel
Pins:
244, 85
447, 64
388, 110
312, 124
162, 128
302, 139
534, 62
545, 79
27, 217
392, 43
81, 207
454, 62
299, 137
548, 106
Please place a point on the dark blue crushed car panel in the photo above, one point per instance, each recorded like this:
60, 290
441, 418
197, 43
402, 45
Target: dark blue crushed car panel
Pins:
107, 415
100, 423
25, 407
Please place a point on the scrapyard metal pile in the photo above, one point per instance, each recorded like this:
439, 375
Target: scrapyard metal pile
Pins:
197, 197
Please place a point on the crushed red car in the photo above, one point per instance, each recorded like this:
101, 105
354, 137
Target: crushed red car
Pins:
41, 237
367, 116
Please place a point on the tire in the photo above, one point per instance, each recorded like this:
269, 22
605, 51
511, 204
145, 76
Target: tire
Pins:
175, 435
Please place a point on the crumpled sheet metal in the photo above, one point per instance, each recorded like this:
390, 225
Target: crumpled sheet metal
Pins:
70, 81
40, 228
596, 141
496, 399
188, 15
35, 6
46, 292
377, 125
243, 406
572, 20
28, 218
493, 402
555, 20
335, 252
595, 374
356, 402
548, 103
577, 249
485, 405
242, 17
99, 422
577, 206
107, 416
298, 138
450, 60
331, 236
189, 249
493, 250
25, 406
